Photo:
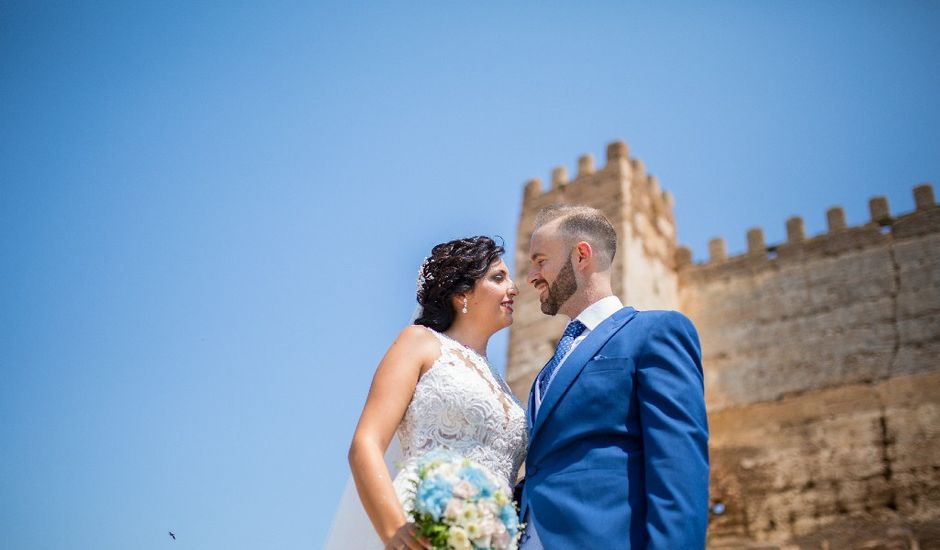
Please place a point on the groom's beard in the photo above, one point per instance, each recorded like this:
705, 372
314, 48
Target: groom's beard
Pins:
559, 291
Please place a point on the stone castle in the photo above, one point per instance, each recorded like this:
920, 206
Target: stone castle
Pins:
822, 377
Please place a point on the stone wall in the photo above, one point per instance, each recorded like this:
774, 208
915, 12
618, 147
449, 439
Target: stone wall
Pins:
822, 380
793, 468
853, 305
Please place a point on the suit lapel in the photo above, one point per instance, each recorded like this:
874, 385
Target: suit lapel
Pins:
575, 363
529, 416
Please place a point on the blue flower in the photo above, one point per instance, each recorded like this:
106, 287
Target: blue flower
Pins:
509, 518
432, 496
478, 479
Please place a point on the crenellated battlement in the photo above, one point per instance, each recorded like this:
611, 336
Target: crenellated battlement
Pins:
619, 169
838, 238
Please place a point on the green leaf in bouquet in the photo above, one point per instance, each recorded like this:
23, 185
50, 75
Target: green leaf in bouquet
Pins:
434, 532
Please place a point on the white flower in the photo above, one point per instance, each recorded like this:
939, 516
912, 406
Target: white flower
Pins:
501, 537
464, 489
448, 470
483, 541
469, 514
454, 509
481, 533
487, 526
490, 507
457, 539
473, 530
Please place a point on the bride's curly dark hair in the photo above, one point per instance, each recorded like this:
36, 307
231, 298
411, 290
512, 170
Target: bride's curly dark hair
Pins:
453, 268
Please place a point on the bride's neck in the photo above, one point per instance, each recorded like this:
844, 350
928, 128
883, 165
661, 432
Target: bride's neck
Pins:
470, 336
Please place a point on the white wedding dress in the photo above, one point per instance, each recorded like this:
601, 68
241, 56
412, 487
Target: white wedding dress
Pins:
460, 405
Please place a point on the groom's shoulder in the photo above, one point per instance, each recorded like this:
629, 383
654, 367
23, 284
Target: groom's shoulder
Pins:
663, 318
651, 326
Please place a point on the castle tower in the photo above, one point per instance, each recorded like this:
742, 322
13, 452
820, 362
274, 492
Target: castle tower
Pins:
644, 270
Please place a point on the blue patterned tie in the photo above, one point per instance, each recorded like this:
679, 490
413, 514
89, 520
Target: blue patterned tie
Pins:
572, 331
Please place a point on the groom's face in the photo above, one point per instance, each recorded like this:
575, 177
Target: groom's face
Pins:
551, 270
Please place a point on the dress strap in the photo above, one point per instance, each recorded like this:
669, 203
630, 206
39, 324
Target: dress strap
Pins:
449, 343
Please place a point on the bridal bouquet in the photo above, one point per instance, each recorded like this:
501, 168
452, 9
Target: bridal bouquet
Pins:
458, 505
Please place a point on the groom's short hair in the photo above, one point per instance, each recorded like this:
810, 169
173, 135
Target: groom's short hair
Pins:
583, 223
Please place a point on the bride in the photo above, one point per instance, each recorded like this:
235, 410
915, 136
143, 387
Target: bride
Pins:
436, 389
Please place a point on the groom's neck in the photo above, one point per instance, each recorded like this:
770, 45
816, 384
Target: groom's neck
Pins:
591, 292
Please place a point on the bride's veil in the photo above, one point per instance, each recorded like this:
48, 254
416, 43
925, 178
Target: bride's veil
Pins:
351, 527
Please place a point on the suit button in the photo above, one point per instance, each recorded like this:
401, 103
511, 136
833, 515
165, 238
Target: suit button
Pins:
532, 471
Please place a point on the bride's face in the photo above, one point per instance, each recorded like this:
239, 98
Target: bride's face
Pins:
491, 299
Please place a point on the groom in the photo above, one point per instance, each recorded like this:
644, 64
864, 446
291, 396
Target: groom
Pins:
618, 440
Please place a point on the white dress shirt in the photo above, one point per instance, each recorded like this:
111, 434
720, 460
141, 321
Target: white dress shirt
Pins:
591, 317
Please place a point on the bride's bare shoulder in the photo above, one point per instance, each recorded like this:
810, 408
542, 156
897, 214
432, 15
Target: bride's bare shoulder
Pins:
419, 340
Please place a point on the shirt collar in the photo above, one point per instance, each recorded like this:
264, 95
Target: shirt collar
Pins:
600, 310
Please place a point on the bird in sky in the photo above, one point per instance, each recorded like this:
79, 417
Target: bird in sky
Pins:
172, 535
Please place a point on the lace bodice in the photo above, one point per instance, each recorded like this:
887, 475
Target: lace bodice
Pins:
461, 405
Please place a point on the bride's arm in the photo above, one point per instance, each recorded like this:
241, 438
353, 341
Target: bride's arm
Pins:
392, 388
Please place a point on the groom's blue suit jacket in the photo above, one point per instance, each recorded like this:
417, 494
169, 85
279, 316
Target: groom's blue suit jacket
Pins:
618, 454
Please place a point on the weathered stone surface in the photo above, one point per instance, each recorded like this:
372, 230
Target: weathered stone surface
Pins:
786, 469
779, 327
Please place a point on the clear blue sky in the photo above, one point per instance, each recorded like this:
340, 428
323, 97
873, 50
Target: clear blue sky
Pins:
211, 213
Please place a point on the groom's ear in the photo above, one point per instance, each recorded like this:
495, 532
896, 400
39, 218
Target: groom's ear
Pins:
583, 254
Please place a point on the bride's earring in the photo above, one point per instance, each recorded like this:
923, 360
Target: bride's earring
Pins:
464, 304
